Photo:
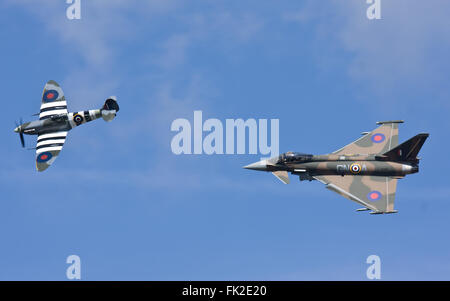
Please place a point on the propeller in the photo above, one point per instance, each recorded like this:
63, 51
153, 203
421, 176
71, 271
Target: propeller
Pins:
19, 130
22, 140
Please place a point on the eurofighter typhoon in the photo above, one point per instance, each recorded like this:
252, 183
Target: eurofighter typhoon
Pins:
365, 171
55, 122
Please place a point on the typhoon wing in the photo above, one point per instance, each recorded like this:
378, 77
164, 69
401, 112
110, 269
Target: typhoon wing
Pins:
373, 192
379, 141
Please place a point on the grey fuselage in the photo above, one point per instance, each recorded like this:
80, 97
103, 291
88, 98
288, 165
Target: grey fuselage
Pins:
58, 123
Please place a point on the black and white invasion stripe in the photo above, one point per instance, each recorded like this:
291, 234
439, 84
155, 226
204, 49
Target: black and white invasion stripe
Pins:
53, 108
50, 142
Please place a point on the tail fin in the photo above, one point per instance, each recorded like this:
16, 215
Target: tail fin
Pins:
408, 150
110, 109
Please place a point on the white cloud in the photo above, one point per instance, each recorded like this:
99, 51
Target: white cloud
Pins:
174, 51
102, 21
405, 50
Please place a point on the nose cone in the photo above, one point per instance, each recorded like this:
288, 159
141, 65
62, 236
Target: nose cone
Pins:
17, 129
260, 165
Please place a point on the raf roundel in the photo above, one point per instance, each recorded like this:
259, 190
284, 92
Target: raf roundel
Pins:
78, 119
378, 138
374, 196
51, 95
355, 168
44, 157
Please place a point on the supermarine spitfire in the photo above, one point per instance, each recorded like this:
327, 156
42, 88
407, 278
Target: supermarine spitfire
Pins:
55, 122
365, 171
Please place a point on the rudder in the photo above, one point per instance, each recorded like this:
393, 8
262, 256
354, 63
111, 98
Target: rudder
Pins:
408, 150
110, 109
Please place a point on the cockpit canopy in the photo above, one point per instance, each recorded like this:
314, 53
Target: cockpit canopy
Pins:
59, 117
291, 157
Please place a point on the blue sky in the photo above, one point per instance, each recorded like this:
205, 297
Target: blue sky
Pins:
117, 196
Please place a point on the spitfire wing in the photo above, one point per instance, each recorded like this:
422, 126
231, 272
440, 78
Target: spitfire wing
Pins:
379, 141
373, 192
53, 101
48, 148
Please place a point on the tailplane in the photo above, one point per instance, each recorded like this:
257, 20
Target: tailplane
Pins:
110, 109
408, 150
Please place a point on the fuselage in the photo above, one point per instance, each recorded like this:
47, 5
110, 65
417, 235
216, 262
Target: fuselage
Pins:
355, 165
62, 122
352, 165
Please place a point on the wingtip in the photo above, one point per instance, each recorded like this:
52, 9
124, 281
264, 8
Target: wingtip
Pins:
41, 167
390, 121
